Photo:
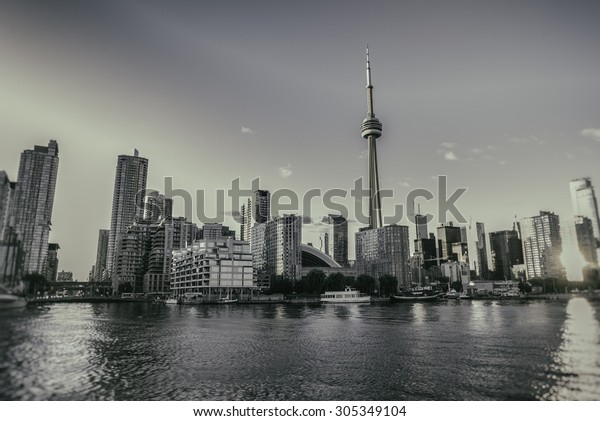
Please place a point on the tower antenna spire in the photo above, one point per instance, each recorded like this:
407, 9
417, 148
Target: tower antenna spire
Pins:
371, 131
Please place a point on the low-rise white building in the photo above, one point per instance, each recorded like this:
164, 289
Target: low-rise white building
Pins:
213, 268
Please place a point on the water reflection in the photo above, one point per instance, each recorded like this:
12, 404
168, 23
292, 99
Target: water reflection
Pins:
576, 367
469, 350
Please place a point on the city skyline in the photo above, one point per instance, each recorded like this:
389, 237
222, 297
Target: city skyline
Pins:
514, 129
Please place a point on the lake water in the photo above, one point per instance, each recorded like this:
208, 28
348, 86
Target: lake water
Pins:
409, 351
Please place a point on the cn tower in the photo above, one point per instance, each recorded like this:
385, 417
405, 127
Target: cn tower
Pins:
371, 130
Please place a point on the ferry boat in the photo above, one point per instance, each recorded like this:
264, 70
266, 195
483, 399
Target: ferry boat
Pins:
172, 301
227, 300
348, 295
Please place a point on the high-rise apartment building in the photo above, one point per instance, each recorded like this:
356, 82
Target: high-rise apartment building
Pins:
586, 242
31, 209
128, 203
584, 203
542, 246
100, 272
256, 211
51, 270
157, 207
277, 247
7, 189
338, 239
384, 251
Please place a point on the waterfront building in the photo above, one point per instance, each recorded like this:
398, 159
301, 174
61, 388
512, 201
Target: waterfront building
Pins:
100, 272
427, 250
457, 272
542, 246
586, 241
158, 271
31, 208
7, 190
131, 258
585, 204
213, 268
384, 251
337, 239
51, 270
128, 204
507, 251
447, 235
184, 232
277, 247
476, 248
481, 252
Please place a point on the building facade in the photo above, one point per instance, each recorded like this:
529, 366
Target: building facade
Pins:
384, 251
31, 209
51, 271
337, 239
584, 203
100, 271
542, 246
447, 235
7, 189
128, 204
213, 268
507, 251
586, 242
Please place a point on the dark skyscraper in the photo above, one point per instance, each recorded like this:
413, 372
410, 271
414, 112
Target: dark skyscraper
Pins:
585, 239
448, 235
101, 256
31, 209
256, 211
507, 251
128, 202
338, 239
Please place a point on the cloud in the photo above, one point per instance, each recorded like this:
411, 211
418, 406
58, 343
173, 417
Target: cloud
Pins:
591, 133
476, 151
246, 130
286, 171
363, 154
448, 145
493, 147
450, 156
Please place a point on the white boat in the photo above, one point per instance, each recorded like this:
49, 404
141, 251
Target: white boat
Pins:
172, 301
9, 302
348, 295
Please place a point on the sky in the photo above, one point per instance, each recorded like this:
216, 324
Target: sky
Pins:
501, 97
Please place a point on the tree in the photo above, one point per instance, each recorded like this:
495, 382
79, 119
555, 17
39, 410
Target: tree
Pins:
336, 282
388, 285
314, 282
366, 284
525, 287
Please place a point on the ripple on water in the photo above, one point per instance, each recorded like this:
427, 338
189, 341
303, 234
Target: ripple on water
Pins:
132, 351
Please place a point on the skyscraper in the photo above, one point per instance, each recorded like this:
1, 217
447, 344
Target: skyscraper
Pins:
157, 207
421, 226
277, 247
256, 211
507, 251
384, 251
448, 235
338, 239
584, 203
481, 247
31, 209
128, 202
585, 239
52, 262
101, 256
371, 131
7, 189
542, 246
